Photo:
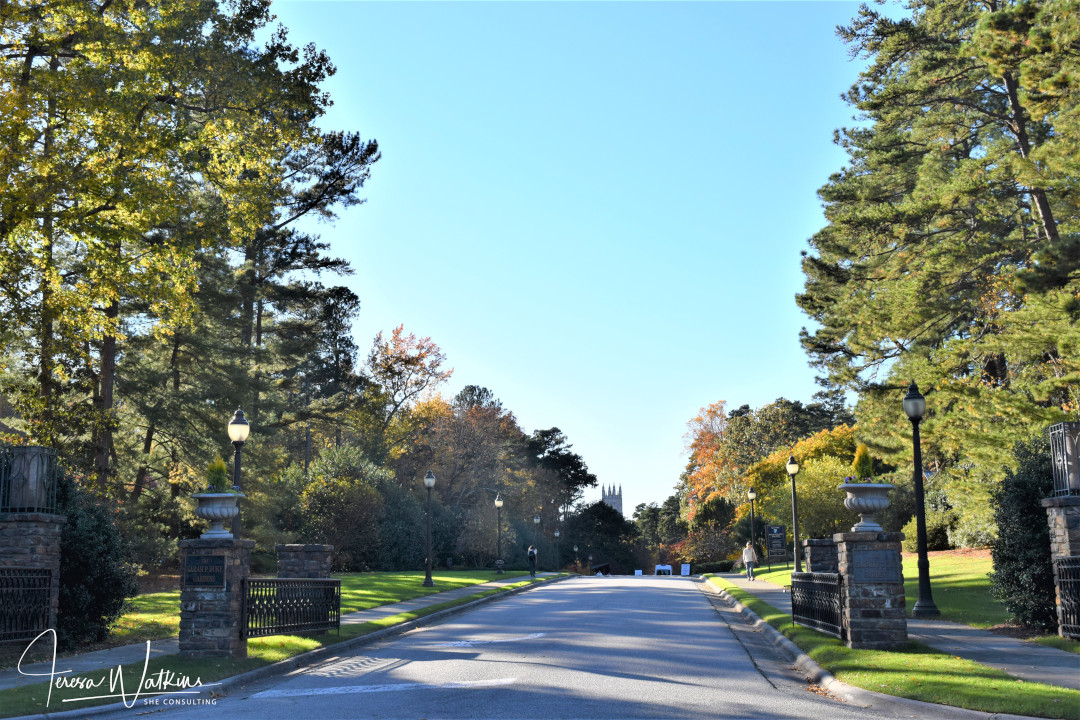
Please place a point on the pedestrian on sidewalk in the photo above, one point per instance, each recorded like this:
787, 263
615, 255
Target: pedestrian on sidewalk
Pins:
749, 557
532, 561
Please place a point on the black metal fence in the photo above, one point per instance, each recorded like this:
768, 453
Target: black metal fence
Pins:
1067, 571
1065, 457
28, 478
24, 603
816, 602
290, 606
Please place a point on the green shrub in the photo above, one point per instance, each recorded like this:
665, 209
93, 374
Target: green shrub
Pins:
938, 525
95, 574
1023, 577
713, 567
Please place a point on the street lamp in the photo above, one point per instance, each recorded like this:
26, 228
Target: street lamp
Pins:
576, 568
793, 470
751, 495
536, 538
915, 406
238, 433
557, 549
429, 482
498, 534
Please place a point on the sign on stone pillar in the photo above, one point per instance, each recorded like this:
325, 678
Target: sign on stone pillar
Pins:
1063, 516
211, 596
873, 593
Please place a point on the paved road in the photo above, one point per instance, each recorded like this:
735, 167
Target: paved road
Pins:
585, 648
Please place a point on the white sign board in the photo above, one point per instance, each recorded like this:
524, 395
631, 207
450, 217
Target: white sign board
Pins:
686, 568
637, 572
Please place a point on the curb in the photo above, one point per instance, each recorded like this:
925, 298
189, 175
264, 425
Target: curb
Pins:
307, 659
840, 690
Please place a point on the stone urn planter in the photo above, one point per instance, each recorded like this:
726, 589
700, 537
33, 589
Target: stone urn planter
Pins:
866, 499
218, 508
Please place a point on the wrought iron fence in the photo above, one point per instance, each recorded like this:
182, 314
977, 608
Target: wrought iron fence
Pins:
24, 603
816, 601
1067, 571
28, 478
1065, 457
288, 606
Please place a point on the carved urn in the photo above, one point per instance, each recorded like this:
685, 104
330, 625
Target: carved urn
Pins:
218, 508
866, 499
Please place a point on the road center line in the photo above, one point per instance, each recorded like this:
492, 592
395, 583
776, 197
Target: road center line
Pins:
354, 689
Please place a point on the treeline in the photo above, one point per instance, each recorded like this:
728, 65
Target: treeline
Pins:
162, 170
950, 257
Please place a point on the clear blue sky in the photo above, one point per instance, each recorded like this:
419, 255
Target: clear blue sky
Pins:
595, 209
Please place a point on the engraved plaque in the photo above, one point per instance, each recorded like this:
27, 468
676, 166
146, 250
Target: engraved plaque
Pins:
204, 571
875, 566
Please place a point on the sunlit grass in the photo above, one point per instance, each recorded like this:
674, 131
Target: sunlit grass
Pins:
917, 672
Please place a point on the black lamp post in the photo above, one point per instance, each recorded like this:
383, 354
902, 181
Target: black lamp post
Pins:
556, 550
536, 538
575, 559
498, 535
753, 538
915, 406
429, 482
238, 433
792, 471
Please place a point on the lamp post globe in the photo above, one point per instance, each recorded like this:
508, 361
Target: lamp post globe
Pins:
793, 470
429, 483
557, 561
239, 428
915, 408
498, 535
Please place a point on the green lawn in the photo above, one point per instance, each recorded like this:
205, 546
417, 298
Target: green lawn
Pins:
959, 584
918, 672
261, 651
156, 616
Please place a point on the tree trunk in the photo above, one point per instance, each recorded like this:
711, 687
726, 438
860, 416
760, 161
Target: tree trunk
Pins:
1019, 127
107, 381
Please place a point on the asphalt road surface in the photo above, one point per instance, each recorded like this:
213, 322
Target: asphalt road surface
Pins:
628, 647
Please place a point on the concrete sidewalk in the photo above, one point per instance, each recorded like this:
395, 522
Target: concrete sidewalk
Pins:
1028, 661
108, 659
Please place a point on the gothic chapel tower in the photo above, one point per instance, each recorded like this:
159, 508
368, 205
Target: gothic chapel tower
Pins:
611, 497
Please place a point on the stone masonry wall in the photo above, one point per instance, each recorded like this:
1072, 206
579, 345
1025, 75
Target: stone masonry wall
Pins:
821, 555
1063, 516
873, 594
32, 541
304, 561
211, 615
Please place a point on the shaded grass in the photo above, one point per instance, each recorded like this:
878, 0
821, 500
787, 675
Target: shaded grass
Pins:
959, 584
261, 652
1056, 641
917, 672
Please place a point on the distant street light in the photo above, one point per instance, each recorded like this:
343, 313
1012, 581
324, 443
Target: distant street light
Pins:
793, 470
238, 433
915, 407
429, 482
557, 549
498, 535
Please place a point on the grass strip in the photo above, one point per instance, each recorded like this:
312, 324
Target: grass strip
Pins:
31, 699
1061, 643
917, 672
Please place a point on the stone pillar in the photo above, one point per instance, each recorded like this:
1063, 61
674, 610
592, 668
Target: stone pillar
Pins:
1063, 515
211, 596
31, 541
873, 594
303, 561
820, 555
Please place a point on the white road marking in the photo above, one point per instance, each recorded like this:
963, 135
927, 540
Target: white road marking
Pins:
352, 689
470, 643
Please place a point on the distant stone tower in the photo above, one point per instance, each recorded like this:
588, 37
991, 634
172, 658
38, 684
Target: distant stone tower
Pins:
612, 497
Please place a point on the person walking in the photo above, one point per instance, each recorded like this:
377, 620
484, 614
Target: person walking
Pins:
532, 561
749, 557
